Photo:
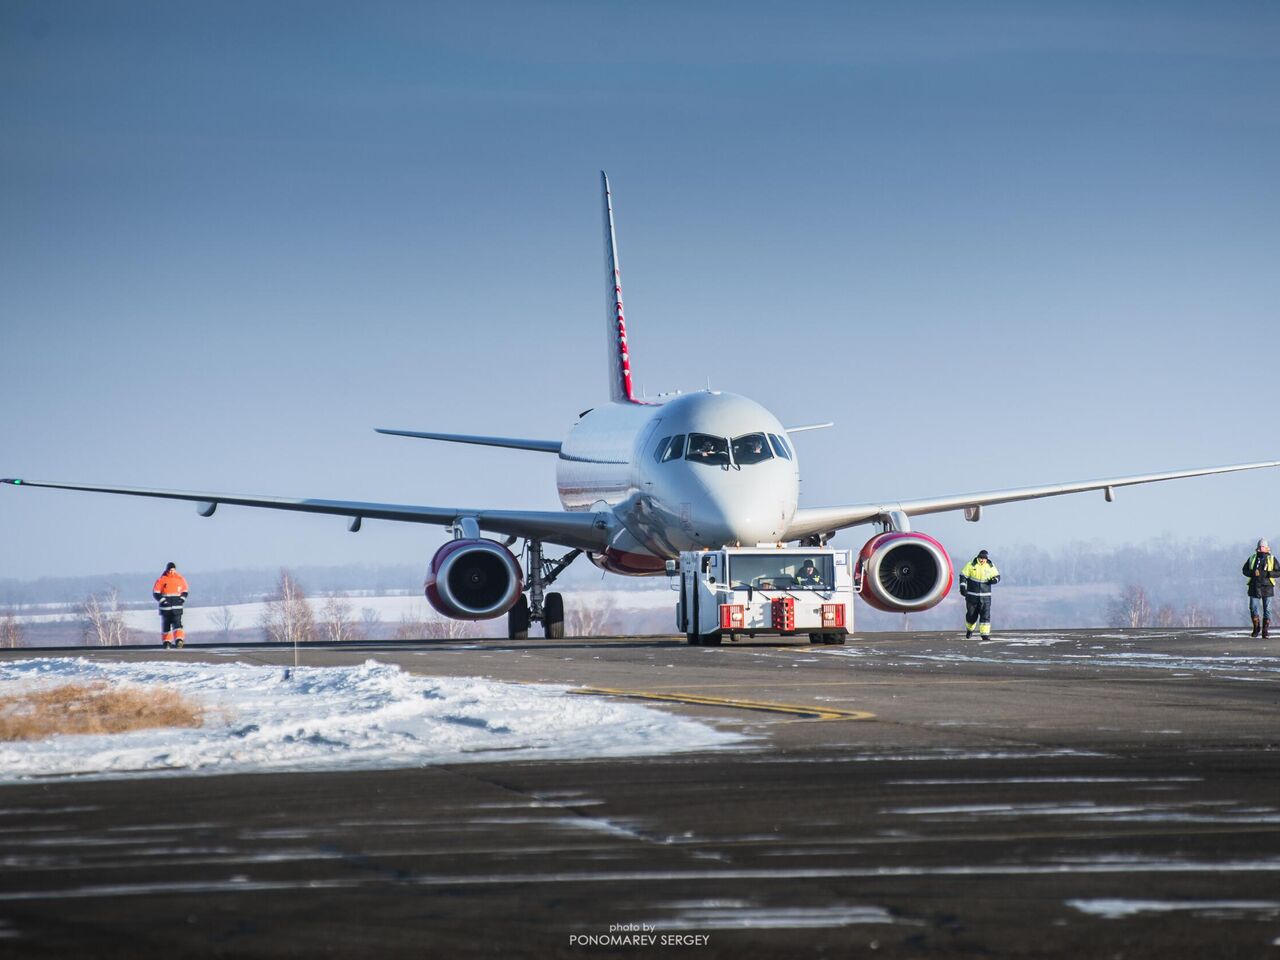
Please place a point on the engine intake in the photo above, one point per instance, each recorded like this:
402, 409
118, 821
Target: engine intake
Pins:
904, 572
473, 580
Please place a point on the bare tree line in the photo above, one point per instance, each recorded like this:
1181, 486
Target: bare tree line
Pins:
288, 616
11, 633
1132, 607
102, 620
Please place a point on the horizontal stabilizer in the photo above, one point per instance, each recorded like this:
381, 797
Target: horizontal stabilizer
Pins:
515, 443
810, 426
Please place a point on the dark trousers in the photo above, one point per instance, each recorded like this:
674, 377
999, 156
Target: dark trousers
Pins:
170, 620
977, 609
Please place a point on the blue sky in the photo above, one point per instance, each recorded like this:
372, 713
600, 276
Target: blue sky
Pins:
237, 237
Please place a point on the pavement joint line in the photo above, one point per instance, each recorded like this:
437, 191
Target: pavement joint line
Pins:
813, 713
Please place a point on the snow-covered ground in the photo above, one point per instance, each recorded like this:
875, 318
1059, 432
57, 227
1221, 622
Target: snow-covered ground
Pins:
339, 718
1240, 658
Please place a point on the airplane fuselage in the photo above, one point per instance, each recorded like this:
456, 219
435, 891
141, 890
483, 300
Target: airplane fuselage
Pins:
701, 470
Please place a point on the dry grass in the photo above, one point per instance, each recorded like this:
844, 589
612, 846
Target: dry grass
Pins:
96, 707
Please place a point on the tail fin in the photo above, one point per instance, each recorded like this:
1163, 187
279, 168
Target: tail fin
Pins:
620, 389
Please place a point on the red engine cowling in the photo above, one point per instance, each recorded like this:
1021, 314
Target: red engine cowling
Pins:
904, 572
473, 580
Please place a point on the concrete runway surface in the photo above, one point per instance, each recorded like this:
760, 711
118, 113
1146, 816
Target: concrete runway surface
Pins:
1072, 794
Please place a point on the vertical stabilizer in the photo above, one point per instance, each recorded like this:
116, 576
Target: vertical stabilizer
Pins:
620, 389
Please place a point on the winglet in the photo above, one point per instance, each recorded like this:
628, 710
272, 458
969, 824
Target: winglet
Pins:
620, 387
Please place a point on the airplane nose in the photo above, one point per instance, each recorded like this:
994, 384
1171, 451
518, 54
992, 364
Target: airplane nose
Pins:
740, 516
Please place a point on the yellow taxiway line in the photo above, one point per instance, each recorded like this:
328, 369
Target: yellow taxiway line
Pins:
796, 710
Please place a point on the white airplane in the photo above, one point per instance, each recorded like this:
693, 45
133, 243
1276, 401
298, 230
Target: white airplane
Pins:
641, 481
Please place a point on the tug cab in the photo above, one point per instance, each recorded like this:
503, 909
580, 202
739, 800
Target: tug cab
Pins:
740, 591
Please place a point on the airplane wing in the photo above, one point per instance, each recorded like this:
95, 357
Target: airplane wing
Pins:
586, 531
811, 521
515, 443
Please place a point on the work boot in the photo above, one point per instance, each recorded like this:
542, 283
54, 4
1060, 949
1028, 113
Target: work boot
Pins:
968, 634
178, 643
1266, 629
167, 644
1257, 627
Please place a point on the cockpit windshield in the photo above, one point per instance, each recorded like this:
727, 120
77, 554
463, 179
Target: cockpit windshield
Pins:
670, 448
704, 448
781, 572
751, 448
780, 445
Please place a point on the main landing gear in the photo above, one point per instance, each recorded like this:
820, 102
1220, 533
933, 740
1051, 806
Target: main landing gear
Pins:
535, 606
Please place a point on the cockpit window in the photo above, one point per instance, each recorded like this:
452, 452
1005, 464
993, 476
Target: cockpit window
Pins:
660, 450
751, 448
704, 448
672, 450
780, 446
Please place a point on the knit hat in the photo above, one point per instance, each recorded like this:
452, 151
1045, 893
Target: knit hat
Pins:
1263, 546
171, 566
983, 555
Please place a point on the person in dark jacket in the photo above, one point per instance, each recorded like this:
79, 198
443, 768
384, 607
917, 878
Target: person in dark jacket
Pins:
1262, 569
976, 580
170, 591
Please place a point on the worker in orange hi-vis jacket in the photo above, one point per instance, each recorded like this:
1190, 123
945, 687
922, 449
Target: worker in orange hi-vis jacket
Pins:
170, 592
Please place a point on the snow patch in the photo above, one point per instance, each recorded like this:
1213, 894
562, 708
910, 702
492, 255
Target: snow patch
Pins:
371, 716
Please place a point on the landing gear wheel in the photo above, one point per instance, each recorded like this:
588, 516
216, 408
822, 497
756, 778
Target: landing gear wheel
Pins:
693, 639
816, 638
834, 639
712, 639
518, 620
553, 616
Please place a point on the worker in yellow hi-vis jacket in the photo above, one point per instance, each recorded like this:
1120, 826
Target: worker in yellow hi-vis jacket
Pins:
976, 580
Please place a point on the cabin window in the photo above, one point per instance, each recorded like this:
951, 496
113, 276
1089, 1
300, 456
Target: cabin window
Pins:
751, 448
704, 448
661, 449
674, 449
780, 446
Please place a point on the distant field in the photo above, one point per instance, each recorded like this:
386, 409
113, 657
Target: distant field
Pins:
591, 613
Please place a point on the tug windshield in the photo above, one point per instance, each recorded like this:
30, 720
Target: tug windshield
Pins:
781, 572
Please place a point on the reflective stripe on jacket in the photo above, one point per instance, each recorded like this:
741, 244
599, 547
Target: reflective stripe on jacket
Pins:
977, 578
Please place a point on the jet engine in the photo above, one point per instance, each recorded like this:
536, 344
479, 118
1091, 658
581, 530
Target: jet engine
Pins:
473, 580
904, 572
